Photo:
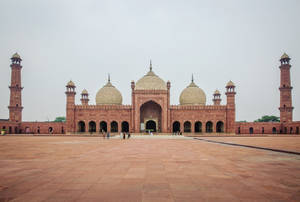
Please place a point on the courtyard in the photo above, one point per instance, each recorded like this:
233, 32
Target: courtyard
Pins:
168, 168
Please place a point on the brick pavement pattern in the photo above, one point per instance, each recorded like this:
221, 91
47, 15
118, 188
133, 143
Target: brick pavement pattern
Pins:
97, 169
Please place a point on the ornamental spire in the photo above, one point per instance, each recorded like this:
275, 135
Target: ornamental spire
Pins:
150, 66
108, 78
192, 78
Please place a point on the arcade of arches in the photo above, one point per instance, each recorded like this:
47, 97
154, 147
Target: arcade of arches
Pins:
196, 127
92, 127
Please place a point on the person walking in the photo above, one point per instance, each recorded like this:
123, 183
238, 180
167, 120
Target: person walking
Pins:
124, 136
128, 135
121, 135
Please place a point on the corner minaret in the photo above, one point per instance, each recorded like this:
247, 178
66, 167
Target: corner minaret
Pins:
70, 113
15, 103
286, 108
230, 107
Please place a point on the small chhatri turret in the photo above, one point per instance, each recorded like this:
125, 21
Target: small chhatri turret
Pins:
285, 59
217, 97
84, 97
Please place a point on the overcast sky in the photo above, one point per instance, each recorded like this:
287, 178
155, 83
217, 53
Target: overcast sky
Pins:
217, 41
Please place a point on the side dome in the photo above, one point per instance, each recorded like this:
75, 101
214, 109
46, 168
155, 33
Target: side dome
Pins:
108, 95
192, 95
150, 82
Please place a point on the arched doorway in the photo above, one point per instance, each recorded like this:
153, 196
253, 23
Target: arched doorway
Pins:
92, 126
220, 127
81, 127
103, 126
125, 126
176, 127
150, 111
16, 130
151, 126
198, 127
114, 127
291, 130
209, 127
187, 127
251, 130
274, 130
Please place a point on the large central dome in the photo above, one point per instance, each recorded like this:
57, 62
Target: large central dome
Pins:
150, 82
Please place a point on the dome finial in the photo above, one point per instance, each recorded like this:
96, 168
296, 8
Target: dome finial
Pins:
192, 78
108, 77
150, 65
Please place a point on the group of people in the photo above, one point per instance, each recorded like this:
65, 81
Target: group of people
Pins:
105, 134
177, 133
123, 135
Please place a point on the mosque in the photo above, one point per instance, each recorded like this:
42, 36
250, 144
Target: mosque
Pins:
150, 109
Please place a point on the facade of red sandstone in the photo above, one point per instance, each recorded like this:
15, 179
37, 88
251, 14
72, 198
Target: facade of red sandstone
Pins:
150, 109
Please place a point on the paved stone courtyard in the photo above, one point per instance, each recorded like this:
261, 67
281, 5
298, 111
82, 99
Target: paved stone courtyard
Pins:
148, 169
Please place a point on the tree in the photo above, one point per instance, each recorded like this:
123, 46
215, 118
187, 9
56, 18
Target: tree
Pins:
60, 119
267, 118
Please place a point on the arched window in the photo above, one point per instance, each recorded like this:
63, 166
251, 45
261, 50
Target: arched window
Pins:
103, 126
92, 126
220, 127
81, 126
114, 127
251, 130
209, 127
176, 126
274, 130
198, 127
187, 127
125, 126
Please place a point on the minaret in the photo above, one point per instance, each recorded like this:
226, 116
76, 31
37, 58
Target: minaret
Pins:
230, 93
15, 103
286, 108
84, 97
70, 113
217, 97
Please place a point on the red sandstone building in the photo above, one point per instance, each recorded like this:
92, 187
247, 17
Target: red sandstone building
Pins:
150, 109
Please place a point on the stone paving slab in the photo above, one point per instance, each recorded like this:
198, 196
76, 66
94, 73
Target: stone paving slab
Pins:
154, 169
